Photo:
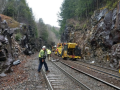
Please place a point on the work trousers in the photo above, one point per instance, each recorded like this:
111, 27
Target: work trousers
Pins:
41, 63
48, 56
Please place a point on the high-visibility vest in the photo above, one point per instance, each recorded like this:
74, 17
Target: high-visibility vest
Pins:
48, 51
41, 53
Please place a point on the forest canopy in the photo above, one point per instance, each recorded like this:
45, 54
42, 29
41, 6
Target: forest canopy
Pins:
81, 9
20, 11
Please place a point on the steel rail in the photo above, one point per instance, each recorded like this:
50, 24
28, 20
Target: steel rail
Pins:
114, 76
100, 66
111, 85
84, 87
47, 81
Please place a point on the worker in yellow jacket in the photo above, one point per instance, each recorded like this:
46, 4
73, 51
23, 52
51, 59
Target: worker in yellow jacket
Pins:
48, 54
42, 57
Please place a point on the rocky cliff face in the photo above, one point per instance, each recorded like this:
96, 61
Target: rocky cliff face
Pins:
10, 48
101, 41
106, 34
6, 56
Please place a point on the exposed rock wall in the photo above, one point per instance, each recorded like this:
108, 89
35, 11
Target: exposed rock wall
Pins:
101, 40
106, 34
5, 47
29, 42
10, 48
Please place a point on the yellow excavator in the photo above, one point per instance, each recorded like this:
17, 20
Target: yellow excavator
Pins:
71, 50
59, 49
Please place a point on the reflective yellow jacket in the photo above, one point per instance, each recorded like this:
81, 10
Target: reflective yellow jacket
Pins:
41, 53
48, 51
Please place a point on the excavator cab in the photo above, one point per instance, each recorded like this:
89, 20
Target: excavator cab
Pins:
71, 50
65, 51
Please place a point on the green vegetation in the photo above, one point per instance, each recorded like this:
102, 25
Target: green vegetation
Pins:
48, 33
114, 4
20, 11
77, 26
42, 30
84, 26
111, 4
56, 32
81, 10
18, 37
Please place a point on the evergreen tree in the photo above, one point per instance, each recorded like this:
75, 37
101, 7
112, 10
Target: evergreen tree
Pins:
81, 9
20, 11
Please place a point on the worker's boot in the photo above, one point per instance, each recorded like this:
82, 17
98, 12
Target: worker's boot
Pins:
47, 71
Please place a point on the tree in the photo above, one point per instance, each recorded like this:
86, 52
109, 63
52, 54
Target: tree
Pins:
42, 30
80, 9
2, 5
20, 11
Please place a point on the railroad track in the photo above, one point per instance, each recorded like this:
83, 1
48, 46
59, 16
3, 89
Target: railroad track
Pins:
100, 66
106, 78
59, 79
100, 69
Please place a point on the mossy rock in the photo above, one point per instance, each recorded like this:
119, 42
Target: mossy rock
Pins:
11, 22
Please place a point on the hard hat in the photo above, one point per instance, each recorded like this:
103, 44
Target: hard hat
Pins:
44, 47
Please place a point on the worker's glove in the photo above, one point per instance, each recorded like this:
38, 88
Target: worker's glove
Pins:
42, 60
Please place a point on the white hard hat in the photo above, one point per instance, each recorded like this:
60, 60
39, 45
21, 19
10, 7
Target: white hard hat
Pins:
44, 47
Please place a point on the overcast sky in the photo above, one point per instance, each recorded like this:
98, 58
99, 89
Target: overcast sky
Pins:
46, 9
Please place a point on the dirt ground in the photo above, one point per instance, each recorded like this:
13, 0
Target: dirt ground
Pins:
24, 76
